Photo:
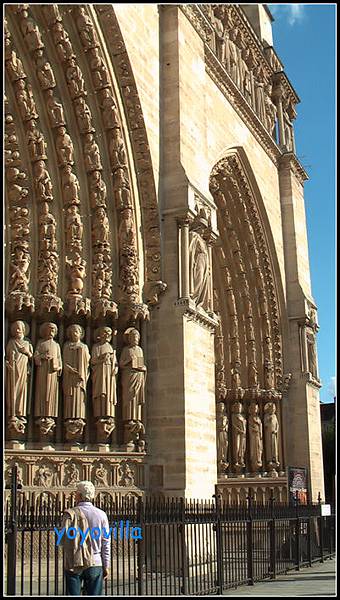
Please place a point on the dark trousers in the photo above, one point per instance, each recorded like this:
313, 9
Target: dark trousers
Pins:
92, 578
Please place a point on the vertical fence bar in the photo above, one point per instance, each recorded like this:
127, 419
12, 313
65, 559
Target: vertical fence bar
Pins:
140, 547
309, 540
219, 549
250, 574
12, 537
183, 548
272, 539
297, 536
321, 538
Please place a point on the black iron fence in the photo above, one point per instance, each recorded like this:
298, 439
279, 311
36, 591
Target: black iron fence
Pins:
187, 547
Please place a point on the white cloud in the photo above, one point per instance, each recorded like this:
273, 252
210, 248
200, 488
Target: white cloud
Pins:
293, 13
332, 387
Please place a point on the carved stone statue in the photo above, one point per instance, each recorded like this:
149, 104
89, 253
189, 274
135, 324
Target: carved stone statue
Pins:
92, 155
76, 360
104, 370
70, 186
42, 182
222, 422
55, 110
133, 373
32, 35
62, 42
35, 141
24, 96
271, 430
100, 475
47, 358
83, 114
117, 149
75, 80
14, 66
64, 147
74, 226
100, 75
97, 190
19, 271
45, 75
312, 362
121, 188
101, 227
268, 374
86, 30
76, 270
109, 110
199, 270
239, 429
18, 353
259, 95
255, 437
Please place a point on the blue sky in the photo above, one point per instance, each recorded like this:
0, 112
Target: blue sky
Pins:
304, 39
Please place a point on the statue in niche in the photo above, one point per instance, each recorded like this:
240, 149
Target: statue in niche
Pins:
100, 475
109, 109
31, 34
239, 429
48, 273
19, 275
44, 477
271, 430
199, 270
45, 74
259, 94
270, 110
55, 110
100, 74
47, 223
255, 437
312, 362
62, 42
236, 376
86, 30
232, 56
75, 80
104, 370
126, 232
76, 270
83, 114
76, 360
133, 373
47, 358
73, 474
20, 223
13, 64
42, 182
35, 141
268, 374
70, 186
117, 149
121, 186
18, 353
101, 227
97, 190
220, 31
252, 375
64, 147
25, 100
74, 226
222, 437
92, 155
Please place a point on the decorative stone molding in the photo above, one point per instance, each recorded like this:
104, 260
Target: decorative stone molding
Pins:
289, 161
140, 145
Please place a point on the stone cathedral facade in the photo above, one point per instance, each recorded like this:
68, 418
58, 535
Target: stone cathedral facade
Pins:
160, 323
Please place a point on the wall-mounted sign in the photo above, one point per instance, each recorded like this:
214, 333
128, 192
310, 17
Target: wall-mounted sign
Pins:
297, 485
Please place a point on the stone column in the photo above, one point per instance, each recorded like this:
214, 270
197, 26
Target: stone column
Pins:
277, 97
302, 413
184, 258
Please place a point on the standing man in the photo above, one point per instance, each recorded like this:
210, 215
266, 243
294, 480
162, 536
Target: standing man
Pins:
85, 514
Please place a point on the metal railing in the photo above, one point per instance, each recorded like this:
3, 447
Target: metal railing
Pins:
188, 547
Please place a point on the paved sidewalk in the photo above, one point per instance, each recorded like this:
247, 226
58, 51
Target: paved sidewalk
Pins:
318, 580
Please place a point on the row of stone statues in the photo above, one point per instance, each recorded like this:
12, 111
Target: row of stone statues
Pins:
74, 363
239, 438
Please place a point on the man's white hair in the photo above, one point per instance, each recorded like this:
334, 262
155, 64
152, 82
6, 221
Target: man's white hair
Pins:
86, 489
